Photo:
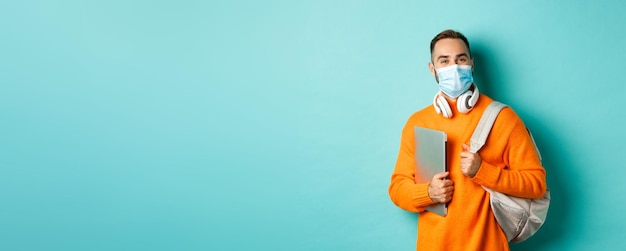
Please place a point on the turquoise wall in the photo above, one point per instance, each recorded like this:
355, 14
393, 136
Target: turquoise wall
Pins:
274, 125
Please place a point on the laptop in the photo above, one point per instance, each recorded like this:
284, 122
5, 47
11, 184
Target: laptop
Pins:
430, 159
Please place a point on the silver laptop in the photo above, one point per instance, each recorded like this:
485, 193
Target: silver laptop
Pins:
430, 159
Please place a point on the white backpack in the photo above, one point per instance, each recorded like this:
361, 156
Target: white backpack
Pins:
520, 218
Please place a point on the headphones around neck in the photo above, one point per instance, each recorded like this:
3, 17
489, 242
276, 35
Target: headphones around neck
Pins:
464, 103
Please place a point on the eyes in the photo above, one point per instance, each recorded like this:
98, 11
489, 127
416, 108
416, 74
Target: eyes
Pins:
459, 60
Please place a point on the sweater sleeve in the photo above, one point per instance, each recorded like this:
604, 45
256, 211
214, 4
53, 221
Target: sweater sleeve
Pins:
523, 176
403, 190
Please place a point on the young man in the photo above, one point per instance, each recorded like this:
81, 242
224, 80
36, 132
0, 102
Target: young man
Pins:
508, 163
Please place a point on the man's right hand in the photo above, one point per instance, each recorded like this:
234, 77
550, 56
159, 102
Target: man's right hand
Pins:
440, 189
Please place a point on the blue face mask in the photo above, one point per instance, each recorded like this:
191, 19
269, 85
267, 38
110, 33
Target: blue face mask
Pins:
454, 80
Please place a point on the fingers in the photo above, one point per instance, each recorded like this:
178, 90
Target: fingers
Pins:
447, 183
442, 194
447, 196
466, 152
470, 162
439, 180
441, 176
440, 189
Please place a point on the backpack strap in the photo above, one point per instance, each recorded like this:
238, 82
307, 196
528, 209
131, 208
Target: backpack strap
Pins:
479, 137
519, 218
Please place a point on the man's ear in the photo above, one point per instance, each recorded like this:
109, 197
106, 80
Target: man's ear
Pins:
431, 68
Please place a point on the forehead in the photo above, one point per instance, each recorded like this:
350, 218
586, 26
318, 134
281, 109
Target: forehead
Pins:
449, 46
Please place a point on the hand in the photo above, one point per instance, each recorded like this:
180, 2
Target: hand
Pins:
440, 189
470, 162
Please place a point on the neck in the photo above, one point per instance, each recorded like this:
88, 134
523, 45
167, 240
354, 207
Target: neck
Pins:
449, 99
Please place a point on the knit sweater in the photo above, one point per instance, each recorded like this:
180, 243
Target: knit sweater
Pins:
510, 164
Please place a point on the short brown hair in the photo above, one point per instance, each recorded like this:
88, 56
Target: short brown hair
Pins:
449, 34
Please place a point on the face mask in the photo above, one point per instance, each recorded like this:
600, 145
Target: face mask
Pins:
454, 80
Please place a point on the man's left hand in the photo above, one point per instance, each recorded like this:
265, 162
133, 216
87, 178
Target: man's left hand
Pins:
470, 162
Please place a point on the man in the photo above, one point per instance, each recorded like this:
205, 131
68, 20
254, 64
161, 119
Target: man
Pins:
508, 163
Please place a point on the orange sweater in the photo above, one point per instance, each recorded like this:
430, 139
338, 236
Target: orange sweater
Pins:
510, 165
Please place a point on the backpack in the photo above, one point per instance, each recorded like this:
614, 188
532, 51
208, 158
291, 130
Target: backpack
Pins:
519, 218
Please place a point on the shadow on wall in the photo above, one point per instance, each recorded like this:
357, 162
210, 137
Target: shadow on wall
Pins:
560, 216
483, 66
488, 74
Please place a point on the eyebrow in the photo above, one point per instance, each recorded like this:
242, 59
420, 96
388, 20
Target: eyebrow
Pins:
458, 56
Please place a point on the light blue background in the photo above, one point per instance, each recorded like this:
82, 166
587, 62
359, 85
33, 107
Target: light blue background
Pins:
274, 125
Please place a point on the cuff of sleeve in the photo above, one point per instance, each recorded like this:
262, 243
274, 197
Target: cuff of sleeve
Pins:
487, 175
420, 196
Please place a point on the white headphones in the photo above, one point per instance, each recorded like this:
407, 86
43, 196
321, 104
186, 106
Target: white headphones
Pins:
464, 103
